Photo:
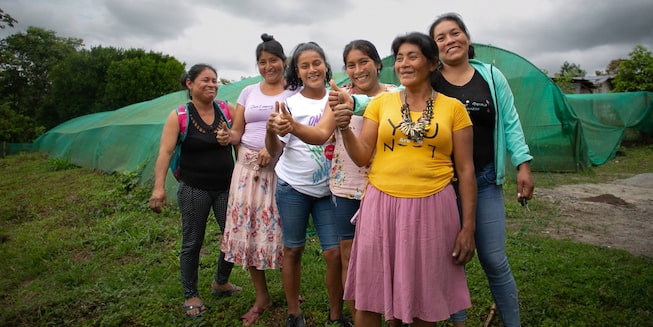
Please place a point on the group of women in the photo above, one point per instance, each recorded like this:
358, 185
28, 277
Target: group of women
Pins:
400, 198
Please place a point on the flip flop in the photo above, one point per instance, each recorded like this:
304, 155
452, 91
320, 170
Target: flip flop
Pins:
253, 315
228, 292
201, 309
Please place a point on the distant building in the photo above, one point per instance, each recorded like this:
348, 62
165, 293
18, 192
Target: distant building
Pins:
593, 84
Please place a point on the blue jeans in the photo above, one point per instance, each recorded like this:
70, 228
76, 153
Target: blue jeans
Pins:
490, 240
344, 210
295, 208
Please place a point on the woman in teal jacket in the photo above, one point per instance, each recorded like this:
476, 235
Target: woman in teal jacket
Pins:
485, 92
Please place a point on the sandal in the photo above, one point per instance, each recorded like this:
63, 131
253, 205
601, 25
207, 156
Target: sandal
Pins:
200, 309
253, 315
234, 289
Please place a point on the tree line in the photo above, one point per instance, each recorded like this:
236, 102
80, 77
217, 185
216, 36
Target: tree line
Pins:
629, 75
46, 80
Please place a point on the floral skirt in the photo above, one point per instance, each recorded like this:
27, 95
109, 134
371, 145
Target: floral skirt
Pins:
252, 235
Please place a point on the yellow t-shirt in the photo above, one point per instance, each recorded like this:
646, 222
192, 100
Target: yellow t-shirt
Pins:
405, 168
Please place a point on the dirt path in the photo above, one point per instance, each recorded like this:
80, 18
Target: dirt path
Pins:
616, 215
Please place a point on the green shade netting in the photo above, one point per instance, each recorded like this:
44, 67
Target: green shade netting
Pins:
564, 132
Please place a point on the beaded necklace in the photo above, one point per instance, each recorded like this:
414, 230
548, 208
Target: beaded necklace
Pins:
415, 130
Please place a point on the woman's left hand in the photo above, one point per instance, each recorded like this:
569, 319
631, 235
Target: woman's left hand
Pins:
223, 134
263, 158
464, 248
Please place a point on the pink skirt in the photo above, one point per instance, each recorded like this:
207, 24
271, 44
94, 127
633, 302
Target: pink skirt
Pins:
401, 264
252, 235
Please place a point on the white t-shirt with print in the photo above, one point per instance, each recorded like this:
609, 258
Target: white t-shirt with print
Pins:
305, 167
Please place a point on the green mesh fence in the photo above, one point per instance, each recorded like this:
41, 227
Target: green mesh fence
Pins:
564, 132
606, 117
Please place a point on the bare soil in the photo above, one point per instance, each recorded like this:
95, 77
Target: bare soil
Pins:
614, 215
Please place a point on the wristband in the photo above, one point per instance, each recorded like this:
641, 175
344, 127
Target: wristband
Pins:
342, 129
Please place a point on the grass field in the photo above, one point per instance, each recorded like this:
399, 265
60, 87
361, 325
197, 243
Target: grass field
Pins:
81, 248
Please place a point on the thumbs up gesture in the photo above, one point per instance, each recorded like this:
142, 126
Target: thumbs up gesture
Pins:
223, 134
280, 121
338, 96
342, 105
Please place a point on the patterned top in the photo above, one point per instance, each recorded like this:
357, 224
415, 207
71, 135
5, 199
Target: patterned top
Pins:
346, 179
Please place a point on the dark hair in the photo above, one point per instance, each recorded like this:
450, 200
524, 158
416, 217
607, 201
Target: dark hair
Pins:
293, 81
426, 45
193, 73
365, 47
459, 21
270, 45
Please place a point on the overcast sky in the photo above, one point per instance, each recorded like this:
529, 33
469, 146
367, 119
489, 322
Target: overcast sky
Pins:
589, 33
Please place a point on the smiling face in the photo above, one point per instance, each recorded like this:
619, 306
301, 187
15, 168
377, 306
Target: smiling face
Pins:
453, 43
205, 86
362, 71
311, 69
270, 67
411, 65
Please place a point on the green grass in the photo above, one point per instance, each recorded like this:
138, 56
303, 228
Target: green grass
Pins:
81, 248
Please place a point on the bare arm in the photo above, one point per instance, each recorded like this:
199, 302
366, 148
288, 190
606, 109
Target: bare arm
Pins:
232, 135
317, 134
166, 148
463, 161
361, 148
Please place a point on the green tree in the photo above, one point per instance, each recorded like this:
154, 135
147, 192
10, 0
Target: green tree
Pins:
106, 78
636, 73
613, 66
78, 84
140, 76
26, 60
6, 19
16, 128
565, 78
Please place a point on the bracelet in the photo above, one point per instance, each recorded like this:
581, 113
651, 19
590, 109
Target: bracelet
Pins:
344, 128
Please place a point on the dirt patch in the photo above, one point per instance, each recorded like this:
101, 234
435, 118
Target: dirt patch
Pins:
614, 215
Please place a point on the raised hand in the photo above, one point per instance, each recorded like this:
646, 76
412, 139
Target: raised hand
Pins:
342, 114
280, 121
338, 96
223, 134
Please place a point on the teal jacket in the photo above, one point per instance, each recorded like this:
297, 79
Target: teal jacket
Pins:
508, 133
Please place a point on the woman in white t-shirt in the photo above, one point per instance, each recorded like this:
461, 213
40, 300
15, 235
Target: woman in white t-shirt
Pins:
303, 179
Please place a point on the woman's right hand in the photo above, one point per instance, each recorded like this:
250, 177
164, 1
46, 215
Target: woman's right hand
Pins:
342, 114
280, 121
158, 200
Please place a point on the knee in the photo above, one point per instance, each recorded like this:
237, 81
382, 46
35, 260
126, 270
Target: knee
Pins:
494, 264
293, 254
332, 255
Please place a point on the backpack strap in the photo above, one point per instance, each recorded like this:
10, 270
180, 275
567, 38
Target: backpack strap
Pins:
182, 115
224, 110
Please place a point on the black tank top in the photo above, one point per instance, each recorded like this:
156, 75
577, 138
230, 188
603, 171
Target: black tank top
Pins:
204, 163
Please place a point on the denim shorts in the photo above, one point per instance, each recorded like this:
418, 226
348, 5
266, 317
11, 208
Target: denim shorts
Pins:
344, 209
296, 208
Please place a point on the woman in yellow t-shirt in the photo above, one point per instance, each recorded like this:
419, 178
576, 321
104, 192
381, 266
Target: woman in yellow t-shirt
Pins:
409, 249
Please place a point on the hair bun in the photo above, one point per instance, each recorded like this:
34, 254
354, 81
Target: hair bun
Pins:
266, 37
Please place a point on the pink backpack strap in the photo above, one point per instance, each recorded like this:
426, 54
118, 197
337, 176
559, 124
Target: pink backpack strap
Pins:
182, 115
225, 111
